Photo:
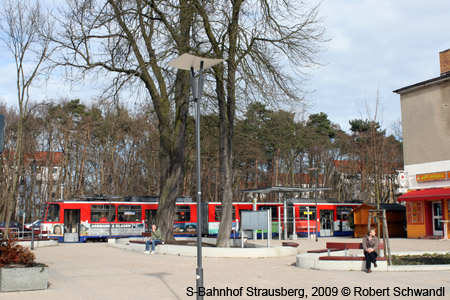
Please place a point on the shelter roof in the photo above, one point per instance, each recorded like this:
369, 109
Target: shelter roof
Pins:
284, 189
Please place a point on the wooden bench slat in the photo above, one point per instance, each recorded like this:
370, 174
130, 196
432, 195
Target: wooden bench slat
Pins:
340, 246
344, 246
137, 242
322, 250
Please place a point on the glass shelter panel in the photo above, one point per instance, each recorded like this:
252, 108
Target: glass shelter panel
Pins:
303, 213
274, 210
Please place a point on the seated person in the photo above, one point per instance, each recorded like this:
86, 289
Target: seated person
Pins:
156, 238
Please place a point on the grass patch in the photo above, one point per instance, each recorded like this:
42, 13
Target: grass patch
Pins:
423, 259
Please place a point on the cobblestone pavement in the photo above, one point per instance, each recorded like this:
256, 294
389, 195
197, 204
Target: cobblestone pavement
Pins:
96, 271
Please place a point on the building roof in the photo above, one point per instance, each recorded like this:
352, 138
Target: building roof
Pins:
385, 206
423, 84
44, 158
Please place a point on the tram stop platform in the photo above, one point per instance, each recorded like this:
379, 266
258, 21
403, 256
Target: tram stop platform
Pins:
97, 271
356, 262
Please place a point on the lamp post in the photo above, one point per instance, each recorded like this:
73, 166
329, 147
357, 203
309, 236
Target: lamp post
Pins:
33, 197
194, 63
33, 202
316, 170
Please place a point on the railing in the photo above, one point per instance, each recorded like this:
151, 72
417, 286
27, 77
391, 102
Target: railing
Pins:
24, 234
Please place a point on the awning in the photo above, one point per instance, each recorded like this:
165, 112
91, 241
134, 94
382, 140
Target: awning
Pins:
428, 194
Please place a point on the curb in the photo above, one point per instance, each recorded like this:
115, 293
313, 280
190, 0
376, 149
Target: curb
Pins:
191, 251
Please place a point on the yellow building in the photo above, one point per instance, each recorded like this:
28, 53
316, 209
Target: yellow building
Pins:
425, 181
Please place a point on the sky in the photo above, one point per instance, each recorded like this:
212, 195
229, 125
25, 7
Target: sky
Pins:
375, 47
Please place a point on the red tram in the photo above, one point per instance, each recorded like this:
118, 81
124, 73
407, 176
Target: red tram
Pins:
101, 217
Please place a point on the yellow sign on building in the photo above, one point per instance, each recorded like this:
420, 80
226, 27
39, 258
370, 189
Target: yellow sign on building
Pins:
432, 176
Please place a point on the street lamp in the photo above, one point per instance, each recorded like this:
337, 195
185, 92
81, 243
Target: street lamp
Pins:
316, 170
194, 63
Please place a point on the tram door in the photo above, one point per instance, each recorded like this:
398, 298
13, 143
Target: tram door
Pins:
326, 222
71, 225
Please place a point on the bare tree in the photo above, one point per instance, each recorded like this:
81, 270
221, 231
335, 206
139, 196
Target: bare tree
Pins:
257, 39
131, 43
23, 26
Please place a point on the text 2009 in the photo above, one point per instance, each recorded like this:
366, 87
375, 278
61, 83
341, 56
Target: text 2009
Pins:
325, 291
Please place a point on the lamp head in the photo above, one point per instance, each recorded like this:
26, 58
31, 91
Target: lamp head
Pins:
187, 61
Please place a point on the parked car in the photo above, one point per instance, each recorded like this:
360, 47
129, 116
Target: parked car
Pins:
14, 228
12, 225
36, 224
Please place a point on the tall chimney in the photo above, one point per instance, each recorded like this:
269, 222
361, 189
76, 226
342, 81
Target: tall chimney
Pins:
444, 59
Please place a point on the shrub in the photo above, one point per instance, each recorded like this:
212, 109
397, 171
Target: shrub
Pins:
423, 259
13, 255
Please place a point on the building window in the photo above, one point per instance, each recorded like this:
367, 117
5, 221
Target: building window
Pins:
183, 213
103, 213
414, 212
129, 213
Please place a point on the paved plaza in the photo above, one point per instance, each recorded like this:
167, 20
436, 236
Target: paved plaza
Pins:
92, 271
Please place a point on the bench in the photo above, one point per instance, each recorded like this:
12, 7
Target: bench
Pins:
322, 250
331, 246
136, 242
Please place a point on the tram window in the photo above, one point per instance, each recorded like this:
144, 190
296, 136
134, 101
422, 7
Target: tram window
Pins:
150, 217
53, 213
103, 213
274, 210
129, 213
303, 212
183, 213
218, 213
240, 213
342, 212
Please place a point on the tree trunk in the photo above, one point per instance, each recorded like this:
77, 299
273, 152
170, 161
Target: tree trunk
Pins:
12, 201
173, 135
172, 158
227, 108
